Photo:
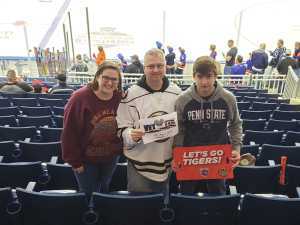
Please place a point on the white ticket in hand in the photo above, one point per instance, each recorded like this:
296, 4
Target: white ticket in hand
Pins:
159, 127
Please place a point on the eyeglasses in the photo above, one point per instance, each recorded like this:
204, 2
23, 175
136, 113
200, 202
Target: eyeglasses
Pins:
112, 79
153, 66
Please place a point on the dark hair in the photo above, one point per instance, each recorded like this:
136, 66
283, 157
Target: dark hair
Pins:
37, 88
205, 65
239, 58
104, 66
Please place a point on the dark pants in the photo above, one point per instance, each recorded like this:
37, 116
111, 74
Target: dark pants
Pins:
205, 186
96, 177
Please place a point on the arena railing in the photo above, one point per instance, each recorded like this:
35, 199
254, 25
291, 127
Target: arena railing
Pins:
292, 87
274, 83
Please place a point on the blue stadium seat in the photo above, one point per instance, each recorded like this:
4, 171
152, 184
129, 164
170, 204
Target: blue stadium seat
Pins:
34, 151
52, 102
7, 150
19, 174
10, 95
17, 133
263, 137
194, 210
283, 125
7, 111
252, 149
249, 114
52, 208
61, 177
286, 115
260, 106
254, 99
57, 96
269, 95
36, 121
243, 105
58, 110
293, 180
279, 100
244, 94
8, 120
50, 134
36, 111
275, 152
258, 125
5, 200
128, 209
260, 210
292, 138
59, 121
257, 179
119, 179
289, 107
5, 102
32, 102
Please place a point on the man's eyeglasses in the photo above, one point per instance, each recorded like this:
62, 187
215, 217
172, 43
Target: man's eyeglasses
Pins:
112, 79
153, 66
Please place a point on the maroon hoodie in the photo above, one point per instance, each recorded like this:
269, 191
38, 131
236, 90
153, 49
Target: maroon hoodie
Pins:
90, 128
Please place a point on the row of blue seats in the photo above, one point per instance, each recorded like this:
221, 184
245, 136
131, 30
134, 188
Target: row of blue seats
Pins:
31, 111
128, 208
271, 137
32, 102
125, 209
32, 133
27, 121
267, 114
271, 125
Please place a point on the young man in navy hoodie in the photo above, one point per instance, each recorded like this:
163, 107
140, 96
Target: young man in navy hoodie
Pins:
219, 122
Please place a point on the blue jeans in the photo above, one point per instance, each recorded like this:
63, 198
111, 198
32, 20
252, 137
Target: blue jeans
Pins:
96, 177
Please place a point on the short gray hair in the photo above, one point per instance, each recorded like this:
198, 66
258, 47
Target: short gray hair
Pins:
154, 52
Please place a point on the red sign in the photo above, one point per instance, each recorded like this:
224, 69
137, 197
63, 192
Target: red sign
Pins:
203, 162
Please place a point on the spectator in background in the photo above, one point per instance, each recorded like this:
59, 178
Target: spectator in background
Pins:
239, 68
213, 52
159, 45
249, 64
101, 56
79, 66
259, 59
136, 66
286, 61
14, 85
170, 60
38, 86
277, 53
296, 54
123, 61
182, 61
230, 56
62, 86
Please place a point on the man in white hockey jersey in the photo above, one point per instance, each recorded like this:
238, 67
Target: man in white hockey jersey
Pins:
148, 164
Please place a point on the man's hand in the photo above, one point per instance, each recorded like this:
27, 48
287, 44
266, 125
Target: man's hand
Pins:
235, 158
79, 169
136, 134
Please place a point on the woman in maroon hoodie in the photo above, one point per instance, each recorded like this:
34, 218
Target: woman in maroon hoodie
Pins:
89, 140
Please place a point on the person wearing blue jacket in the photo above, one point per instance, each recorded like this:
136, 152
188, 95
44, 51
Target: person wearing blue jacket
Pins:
259, 60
